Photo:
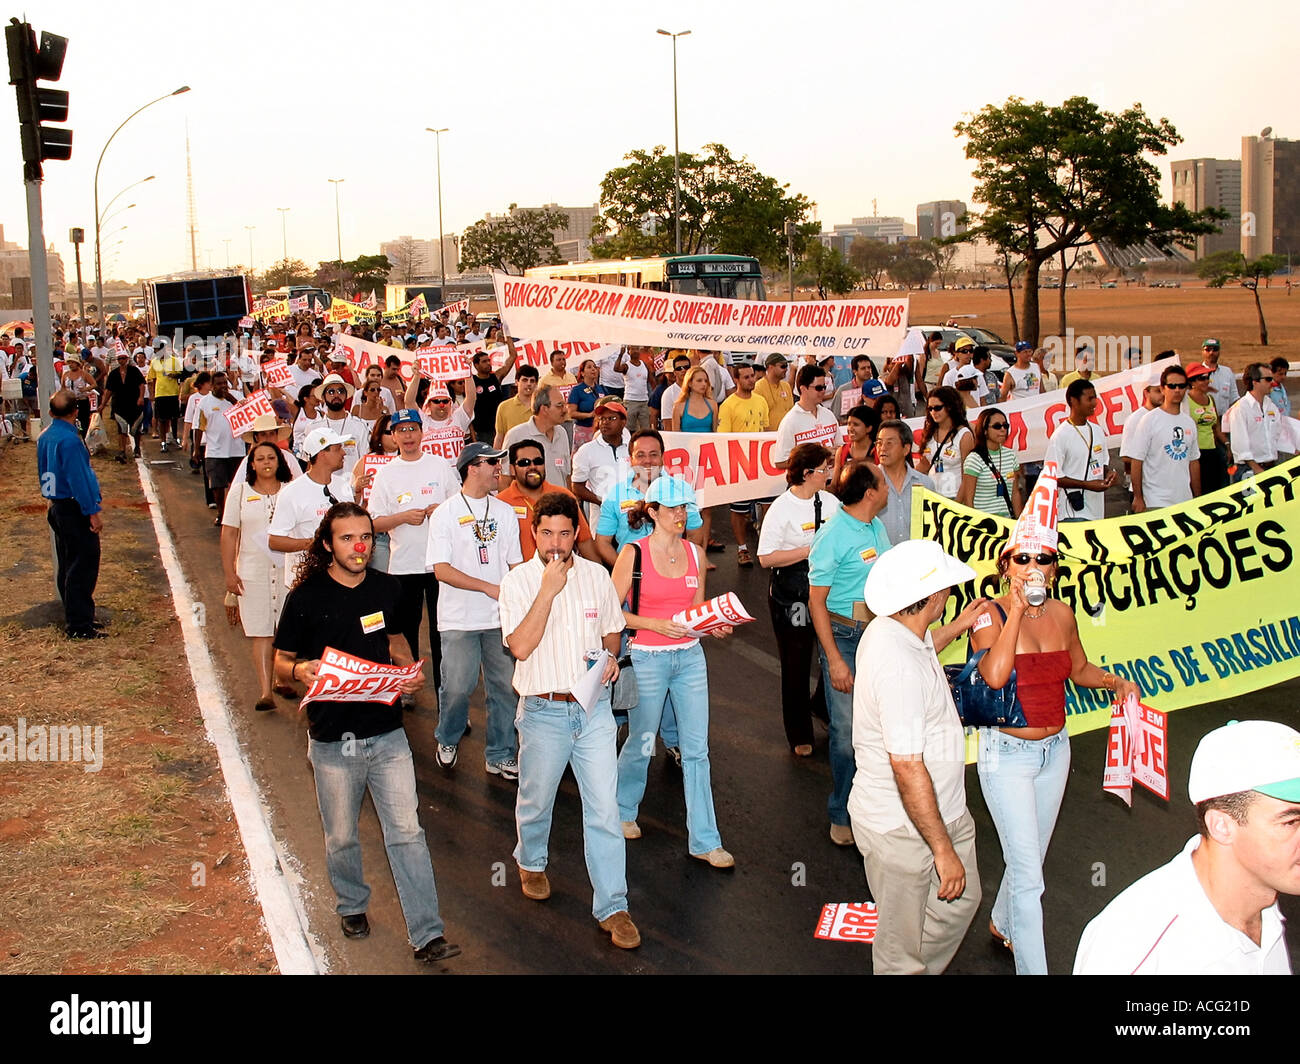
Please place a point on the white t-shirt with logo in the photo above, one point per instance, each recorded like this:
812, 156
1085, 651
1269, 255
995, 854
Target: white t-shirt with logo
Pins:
799, 426
402, 485
1080, 453
1166, 445
218, 440
299, 508
1024, 382
479, 537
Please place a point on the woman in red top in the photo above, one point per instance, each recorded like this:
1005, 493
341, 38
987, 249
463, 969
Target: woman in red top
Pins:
1023, 771
668, 660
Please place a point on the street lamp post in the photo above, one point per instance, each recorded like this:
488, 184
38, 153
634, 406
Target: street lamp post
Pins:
442, 254
284, 232
226, 240
249, 229
99, 278
338, 227
677, 173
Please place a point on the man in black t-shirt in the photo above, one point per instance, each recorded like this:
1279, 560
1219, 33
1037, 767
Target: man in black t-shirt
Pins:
486, 382
354, 746
127, 386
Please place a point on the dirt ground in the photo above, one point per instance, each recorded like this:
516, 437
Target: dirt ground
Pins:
136, 868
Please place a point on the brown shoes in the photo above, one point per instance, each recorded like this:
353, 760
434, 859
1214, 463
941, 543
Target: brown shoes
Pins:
535, 884
716, 858
621, 930
631, 830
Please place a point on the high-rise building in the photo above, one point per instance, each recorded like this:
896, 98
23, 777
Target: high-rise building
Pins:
415, 260
1270, 196
16, 276
940, 218
1202, 183
890, 229
574, 240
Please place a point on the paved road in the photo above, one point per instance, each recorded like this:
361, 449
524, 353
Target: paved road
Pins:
758, 918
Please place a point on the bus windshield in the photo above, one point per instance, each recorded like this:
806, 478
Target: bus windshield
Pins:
720, 287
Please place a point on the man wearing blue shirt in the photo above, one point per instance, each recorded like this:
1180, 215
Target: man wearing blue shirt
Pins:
69, 484
646, 452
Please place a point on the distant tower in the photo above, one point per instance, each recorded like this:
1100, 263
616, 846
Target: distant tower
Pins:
191, 216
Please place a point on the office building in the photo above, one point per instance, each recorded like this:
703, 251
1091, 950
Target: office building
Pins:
1270, 196
940, 218
1202, 183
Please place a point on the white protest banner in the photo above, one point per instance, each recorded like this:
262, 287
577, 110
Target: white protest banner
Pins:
847, 921
724, 466
715, 613
850, 399
93, 397
276, 374
461, 305
444, 439
344, 678
370, 465
1033, 420
362, 353
246, 322
246, 411
297, 304
371, 302
538, 352
660, 319
442, 363
1136, 751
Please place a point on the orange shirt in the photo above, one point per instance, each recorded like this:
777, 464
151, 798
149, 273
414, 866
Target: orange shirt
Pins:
524, 511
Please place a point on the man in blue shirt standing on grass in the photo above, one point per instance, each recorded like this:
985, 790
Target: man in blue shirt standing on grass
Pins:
69, 484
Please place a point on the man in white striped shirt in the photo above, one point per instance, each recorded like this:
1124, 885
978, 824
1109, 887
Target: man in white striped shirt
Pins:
556, 609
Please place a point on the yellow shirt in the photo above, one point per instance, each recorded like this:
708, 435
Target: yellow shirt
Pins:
1068, 379
165, 373
743, 415
510, 413
780, 400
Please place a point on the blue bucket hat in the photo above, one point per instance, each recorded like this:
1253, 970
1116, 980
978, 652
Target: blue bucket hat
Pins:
671, 491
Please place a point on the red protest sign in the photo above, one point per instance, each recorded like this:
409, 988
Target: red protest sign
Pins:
847, 921
343, 678
246, 411
370, 465
276, 374
442, 363
446, 441
715, 613
1137, 751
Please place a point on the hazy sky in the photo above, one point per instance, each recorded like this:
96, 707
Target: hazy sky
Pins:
845, 101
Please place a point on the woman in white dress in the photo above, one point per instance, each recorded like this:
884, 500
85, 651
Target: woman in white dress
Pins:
254, 573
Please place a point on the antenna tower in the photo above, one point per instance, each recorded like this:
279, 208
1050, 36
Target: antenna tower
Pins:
191, 216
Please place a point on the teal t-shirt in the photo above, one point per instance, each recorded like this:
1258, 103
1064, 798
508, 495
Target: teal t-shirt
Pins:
843, 552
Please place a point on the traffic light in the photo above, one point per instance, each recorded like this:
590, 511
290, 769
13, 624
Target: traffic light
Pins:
28, 65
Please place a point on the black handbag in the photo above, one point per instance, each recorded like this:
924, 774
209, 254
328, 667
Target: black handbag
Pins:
978, 704
788, 584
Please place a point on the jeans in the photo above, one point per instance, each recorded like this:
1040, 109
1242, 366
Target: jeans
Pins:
343, 772
1023, 781
553, 735
683, 672
76, 552
463, 654
418, 591
840, 705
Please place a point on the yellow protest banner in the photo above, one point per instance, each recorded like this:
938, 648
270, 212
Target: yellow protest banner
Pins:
1195, 602
278, 309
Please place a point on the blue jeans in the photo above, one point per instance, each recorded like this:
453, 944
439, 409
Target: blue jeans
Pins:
463, 653
840, 706
382, 763
685, 674
551, 736
1023, 781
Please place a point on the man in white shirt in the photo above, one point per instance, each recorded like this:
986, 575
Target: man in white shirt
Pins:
603, 461
302, 502
1213, 910
1253, 423
681, 366
1152, 396
473, 542
222, 451
632, 364
1223, 382
556, 610
719, 379
304, 371
1078, 447
546, 427
336, 395
611, 377
1023, 380
908, 803
1164, 451
808, 421
403, 496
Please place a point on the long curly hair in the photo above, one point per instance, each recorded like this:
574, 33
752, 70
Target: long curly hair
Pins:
318, 556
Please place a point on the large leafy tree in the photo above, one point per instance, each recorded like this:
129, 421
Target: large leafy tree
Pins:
1063, 177
825, 267
872, 258
513, 243
1224, 266
285, 272
912, 265
728, 206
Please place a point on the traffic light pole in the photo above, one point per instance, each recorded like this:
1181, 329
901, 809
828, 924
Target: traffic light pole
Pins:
46, 382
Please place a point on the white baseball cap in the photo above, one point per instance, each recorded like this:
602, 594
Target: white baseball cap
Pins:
913, 570
317, 440
1246, 755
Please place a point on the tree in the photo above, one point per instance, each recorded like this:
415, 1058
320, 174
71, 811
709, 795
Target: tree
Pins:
404, 262
286, 272
368, 271
1092, 266
1064, 177
825, 267
515, 242
871, 258
942, 253
911, 267
1224, 266
727, 206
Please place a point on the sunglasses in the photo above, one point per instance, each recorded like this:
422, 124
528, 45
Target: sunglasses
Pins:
335, 391
998, 425
440, 402
1041, 559
817, 387
488, 461
527, 463
936, 409
1179, 386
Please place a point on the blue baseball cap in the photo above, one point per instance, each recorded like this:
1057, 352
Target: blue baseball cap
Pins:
873, 389
405, 417
1024, 345
671, 491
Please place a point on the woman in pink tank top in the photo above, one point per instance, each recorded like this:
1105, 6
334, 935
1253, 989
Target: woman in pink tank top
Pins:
668, 659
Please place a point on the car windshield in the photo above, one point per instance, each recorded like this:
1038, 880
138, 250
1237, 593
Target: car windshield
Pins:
985, 337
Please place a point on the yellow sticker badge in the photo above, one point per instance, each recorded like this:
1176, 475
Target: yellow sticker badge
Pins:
406, 496
372, 622
809, 526
467, 519
627, 504
868, 555
521, 511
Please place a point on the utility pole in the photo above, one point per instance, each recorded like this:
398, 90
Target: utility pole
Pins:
677, 173
338, 227
284, 231
442, 253
78, 237
249, 229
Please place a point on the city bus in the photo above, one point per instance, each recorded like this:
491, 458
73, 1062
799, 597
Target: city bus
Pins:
719, 276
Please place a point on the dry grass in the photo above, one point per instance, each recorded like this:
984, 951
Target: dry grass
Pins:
99, 871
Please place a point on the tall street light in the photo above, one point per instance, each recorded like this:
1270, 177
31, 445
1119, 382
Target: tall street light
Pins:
442, 255
226, 240
124, 192
249, 229
99, 276
338, 227
284, 232
677, 173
